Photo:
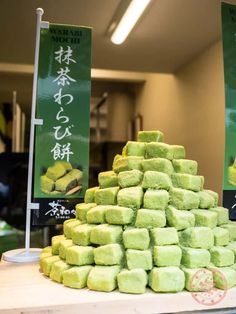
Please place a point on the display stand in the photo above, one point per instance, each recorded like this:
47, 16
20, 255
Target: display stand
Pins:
27, 254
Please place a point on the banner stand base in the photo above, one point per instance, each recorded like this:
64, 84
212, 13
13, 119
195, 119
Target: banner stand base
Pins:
22, 255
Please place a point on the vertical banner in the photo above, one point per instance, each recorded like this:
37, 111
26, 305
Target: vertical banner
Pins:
63, 103
229, 52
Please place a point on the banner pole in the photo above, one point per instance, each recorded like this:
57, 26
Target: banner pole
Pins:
27, 254
29, 206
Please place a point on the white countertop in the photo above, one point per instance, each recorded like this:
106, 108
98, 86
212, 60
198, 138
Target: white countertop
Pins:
23, 289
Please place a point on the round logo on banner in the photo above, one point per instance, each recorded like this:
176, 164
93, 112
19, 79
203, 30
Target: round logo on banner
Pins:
209, 295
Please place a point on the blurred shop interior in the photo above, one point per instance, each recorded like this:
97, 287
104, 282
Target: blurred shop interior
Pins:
167, 75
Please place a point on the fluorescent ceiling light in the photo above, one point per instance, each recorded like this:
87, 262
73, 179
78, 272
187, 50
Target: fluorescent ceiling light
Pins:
129, 19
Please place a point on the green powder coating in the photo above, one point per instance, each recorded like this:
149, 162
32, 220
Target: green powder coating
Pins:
222, 215
47, 262
221, 256
206, 200
107, 179
167, 255
150, 136
96, 214
103, 278
46, 184
184, 199
81, 234
68, 227
197, 237
149, 218
164, 236
82, 210
106, 196
194, 279
57, 270
135, 148
221, 236
195, 258
214, 195
156, 199
117, 215
224, 277
79, 255
130, 197
130, 178
156, 180
179, 219
188, 181
166, 279
132, 281
158, 164
127, 163
106, 234
89, 196
139, 259
136, 238
55, 172
109, 254
161, 150
76, 277
205, 218
63, 245
55, 241
185, 166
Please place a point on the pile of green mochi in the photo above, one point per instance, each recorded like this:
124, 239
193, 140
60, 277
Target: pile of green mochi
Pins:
149, 223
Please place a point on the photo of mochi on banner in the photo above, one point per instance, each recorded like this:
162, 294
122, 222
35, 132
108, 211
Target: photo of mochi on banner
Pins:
149, 223
232, 172
61, 178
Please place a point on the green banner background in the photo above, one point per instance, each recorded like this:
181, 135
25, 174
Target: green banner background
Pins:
54, 39
229, 52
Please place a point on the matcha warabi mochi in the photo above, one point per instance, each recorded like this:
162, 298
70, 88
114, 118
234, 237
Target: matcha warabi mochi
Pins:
149, 222
155, 199
194, 279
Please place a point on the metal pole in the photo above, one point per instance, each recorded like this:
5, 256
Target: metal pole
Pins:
29, 206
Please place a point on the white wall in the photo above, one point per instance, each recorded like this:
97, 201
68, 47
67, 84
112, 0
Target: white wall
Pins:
189, 108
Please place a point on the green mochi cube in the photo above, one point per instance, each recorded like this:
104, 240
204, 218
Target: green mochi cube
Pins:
109, 254
127, 163
57, 270
106, 234
224, 277
103, 278
162, 150
158, 164
82, 209
156, 180
81, 234
55, 241
167, 255
139, 259
118, 215
130, 197
155, 199
89, 196
232, 230
130, 178
42, 256
64, 244
76, 276
132, 281
205, 218
106, 196
184, 199
221, 256
55, 172
96, 214
179, 219
222, 215
149, 218
47, 262
46, 184
198, 279
136, 238
69, 225
164, 236
47, 249
197, 237
232, 247
79, 255
185, 166
221, 236
214, 195
178, 151
206, 200
187, 181
150, 136
166, 279
195, 258
133, 148
107, 179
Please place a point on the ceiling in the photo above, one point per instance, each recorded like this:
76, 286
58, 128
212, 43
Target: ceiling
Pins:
168, 35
